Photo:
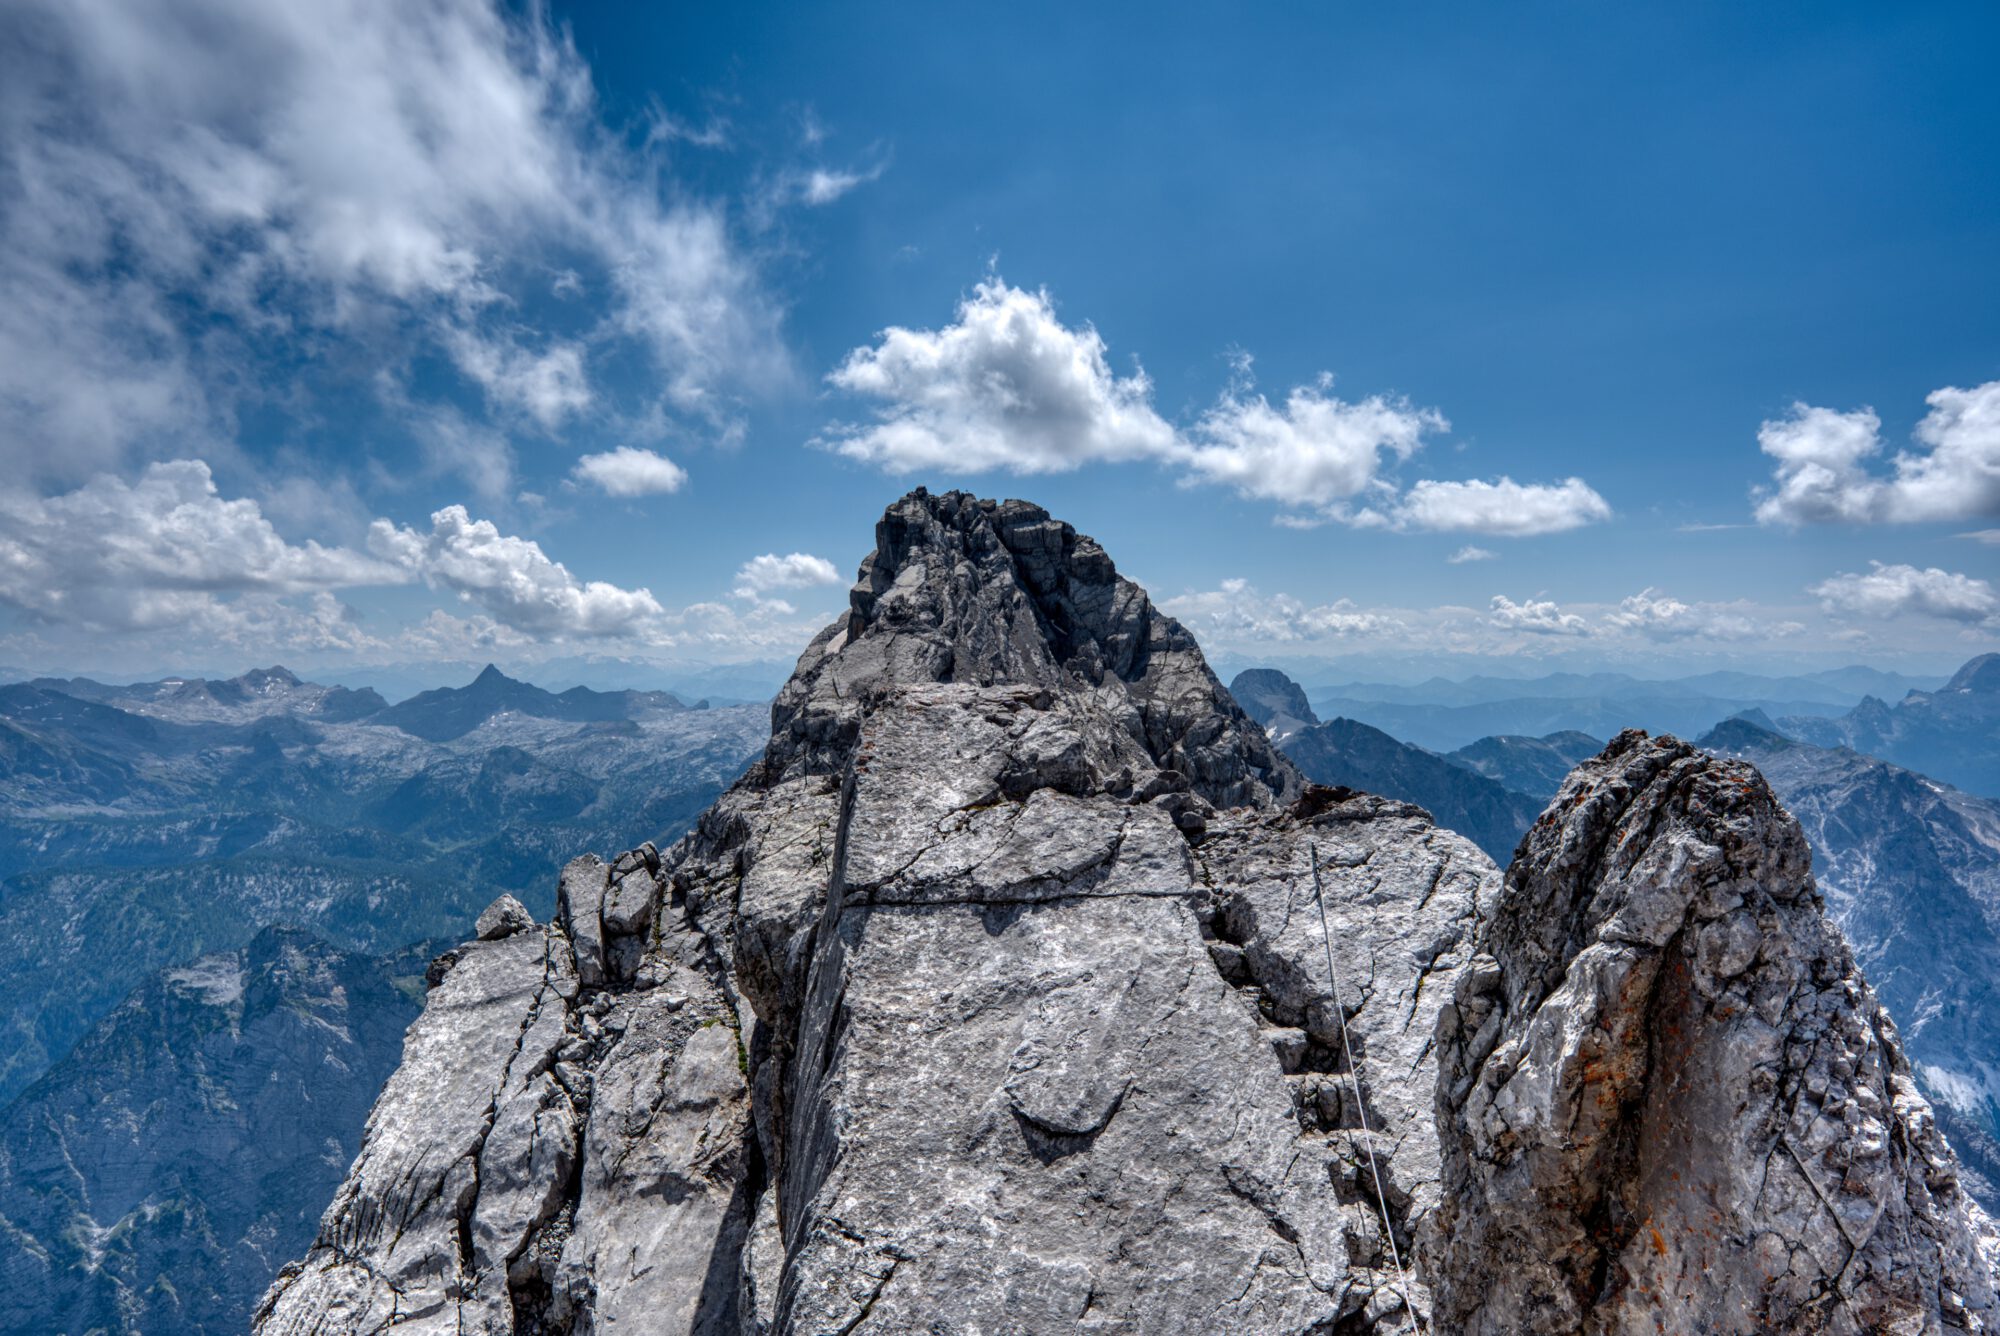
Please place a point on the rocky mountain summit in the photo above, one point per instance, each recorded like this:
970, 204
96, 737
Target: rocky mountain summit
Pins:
991, 997
996, 997
1670, 1102
1273, 700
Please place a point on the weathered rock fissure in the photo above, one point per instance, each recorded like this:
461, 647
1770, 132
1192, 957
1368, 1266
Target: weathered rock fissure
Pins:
993, 997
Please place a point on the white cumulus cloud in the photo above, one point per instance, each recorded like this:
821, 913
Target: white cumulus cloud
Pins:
764, 574
1008, 386
1892, 591
1823, 473
1502, 509
1659, 617
166, 548
1005, 386
1469, 553
630, 471
513, 580
1536, 616
1317, 450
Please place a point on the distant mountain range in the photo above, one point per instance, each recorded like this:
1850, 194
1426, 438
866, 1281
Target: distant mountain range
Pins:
142, 826
1350, 754
257, 694
155, 1179
1952, 733
1356, 756
741, 682
208, 889
438, 715
449, 713
1444, 715
1533, 767
1837, 688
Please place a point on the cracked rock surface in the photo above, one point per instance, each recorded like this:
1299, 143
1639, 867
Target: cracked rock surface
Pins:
1669, 1100
992, 999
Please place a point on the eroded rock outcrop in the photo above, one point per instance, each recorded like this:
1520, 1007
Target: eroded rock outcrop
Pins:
992, 998
1670, 1102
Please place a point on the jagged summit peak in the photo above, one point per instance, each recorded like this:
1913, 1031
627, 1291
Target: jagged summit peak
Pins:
982, 593
1273, 700
953, 559
1980, 676
1669, 1100
973, 941
491, 676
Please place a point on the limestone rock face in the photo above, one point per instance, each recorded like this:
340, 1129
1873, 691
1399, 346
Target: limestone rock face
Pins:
542, 1137
993, 999
1669, 1102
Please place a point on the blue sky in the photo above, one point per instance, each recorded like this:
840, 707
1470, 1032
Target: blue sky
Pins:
351, 335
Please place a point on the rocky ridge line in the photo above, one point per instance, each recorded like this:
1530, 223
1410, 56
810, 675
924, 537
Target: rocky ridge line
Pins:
994, 998
987, 998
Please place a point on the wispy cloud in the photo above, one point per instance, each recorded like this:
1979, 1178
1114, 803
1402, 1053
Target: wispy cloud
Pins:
1235, 612
1657, 616
198, 190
